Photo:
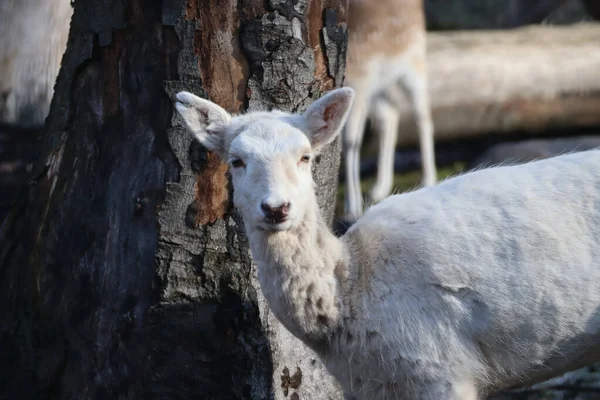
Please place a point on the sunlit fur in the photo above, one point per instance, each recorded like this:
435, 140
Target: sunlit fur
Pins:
482, 282
273, 171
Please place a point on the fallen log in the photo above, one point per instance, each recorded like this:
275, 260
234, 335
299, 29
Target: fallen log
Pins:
530, 79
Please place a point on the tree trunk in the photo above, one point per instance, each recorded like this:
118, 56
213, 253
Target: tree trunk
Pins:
124, 271
530, 79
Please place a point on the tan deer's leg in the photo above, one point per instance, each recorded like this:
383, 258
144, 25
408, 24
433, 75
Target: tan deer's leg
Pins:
352, 140
385, 117
415, 84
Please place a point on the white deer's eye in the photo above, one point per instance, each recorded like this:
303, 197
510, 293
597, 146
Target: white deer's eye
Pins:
305, 158
237, 163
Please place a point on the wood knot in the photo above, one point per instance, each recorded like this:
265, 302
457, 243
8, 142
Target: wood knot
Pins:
140, 205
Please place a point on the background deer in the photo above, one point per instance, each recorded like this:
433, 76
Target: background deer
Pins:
33, 38
386, 56
451, 292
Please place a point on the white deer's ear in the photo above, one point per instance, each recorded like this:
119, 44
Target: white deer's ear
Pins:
204, 119
325, 117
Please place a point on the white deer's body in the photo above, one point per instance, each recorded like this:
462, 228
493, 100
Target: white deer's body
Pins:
386, 56
492, 277
485, 281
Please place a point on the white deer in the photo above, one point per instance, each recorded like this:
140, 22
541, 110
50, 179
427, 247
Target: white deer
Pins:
386, 56
451, 292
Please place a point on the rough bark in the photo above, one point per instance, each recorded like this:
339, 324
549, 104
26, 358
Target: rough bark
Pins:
530, 79
33, 38
124, 271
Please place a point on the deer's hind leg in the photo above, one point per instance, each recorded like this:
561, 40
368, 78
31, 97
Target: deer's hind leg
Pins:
415, 84
385, 117
352, 138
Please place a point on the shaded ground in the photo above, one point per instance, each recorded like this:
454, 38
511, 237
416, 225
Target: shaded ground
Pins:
402, 182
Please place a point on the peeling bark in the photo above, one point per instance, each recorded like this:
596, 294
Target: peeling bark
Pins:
124, 271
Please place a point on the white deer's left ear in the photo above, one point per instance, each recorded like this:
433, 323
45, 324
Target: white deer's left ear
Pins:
324, 118
205, 120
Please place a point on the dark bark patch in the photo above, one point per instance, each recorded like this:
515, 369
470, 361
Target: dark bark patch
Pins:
141, 202
221, 65
314, 24
251, 9
287, 9
327, 36
172, 46
111, 56
250, 34
191, 10
211, 200
223, 69
198, 156
336, 44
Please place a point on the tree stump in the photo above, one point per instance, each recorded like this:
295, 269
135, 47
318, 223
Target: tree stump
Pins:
125, 271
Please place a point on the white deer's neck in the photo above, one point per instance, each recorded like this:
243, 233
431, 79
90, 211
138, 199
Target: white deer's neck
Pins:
300, 272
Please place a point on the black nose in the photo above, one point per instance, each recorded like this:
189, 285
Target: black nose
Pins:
276, 214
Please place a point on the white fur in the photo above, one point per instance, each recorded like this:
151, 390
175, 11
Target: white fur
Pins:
378, 79
484, 281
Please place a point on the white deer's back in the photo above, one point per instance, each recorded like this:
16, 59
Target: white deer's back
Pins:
492, 273
383, 38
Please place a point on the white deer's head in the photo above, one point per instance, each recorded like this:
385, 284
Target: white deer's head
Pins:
269, 153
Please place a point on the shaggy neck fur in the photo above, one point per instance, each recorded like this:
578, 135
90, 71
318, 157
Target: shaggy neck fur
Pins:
300, 271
